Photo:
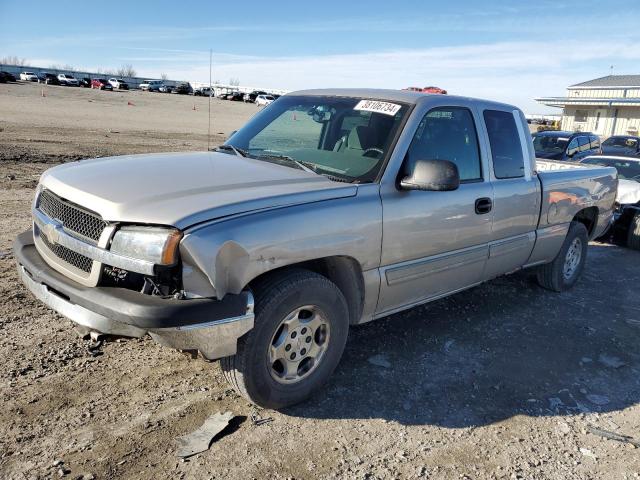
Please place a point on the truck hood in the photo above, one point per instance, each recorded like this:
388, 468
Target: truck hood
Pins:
628, 191
183, 189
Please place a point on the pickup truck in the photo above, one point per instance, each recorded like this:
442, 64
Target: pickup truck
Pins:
329, 208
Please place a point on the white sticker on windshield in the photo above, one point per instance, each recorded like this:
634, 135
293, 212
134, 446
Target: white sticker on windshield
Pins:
378, 107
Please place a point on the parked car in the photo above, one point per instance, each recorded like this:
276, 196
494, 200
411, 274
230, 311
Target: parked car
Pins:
183, 89
622, 145
85, 82
48, 79
264, 100
236, 97
203, 92
118, 84
199, 249
68, 80
101, 84
28, 77
559, 145
165, 88
251, 97
9, 77
151, 85
626, 226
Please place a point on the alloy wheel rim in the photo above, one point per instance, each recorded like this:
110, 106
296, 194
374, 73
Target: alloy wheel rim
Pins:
298, 344
572, 259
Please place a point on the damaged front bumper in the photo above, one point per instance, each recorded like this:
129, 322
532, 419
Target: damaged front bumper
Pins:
209, 326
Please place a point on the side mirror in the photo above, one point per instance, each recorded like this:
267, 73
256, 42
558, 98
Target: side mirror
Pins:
434, 175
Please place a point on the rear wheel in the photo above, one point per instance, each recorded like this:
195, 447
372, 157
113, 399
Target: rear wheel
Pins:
563, 272
300, 331
633, 236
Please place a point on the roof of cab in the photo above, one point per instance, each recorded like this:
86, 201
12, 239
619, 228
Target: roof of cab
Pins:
405, 96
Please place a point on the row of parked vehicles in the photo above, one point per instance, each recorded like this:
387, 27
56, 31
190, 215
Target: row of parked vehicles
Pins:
621, 152
258, 97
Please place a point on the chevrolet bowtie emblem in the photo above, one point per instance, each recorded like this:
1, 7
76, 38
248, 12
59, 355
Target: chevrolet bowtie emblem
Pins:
52, 232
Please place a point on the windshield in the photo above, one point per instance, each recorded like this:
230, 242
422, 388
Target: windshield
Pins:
627, 169
347, 138
545, 144
622, 142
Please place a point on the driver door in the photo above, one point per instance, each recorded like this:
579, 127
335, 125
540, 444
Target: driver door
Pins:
436, 242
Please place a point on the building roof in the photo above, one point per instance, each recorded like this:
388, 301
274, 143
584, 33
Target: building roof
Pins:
611, 81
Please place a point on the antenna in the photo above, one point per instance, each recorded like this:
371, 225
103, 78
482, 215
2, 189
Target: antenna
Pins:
209, 126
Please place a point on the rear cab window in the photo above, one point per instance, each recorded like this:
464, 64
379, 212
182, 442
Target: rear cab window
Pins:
505, 143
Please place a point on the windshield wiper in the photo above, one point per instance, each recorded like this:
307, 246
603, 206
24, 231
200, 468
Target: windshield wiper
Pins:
306, 166
238, 151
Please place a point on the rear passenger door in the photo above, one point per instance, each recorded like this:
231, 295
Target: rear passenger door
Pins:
516, 192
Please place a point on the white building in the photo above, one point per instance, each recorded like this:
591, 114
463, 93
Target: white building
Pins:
606, 106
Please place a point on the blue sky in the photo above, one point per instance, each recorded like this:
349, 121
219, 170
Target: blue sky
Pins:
510, 51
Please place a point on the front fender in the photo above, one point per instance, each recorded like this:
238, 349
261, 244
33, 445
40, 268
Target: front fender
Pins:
223, 256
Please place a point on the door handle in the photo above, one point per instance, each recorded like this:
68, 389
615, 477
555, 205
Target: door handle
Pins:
483, 205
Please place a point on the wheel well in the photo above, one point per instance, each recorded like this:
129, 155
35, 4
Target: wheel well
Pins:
588, 217
345, 272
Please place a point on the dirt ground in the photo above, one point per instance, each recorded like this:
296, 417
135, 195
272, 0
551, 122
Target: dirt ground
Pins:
504, 381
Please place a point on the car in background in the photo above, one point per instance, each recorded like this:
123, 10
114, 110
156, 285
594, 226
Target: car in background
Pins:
118, 84
264, 100
622, 146
68, 80
183, 89
85, 82
8, 77
565, 146
28, 77
236, 97
166, 89
203, 92
48, 79
151, 85
251, 97
625, 229
101, 84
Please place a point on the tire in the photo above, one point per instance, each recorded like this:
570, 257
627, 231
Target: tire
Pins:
633, 235
565, 270
289, 296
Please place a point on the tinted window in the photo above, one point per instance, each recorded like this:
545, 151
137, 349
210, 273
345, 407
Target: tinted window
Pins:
573, 145
448, 133
504, 139
584, 144
595, 141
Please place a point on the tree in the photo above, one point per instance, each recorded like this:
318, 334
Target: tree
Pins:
13, 60
234, 82
164, 76
126, 70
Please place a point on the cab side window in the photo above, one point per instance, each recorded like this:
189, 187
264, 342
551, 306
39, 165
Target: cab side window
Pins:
504, 139
448, 133
584, 143
572, 148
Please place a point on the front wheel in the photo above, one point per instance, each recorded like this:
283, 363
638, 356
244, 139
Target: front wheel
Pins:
563, 272
300, 332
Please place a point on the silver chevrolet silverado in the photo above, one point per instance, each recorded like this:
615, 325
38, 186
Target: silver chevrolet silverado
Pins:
328, 208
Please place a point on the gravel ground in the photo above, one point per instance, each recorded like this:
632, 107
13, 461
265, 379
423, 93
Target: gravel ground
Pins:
504, 381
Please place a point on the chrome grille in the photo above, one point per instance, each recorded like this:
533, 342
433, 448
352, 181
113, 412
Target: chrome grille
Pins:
75, 219
63, 253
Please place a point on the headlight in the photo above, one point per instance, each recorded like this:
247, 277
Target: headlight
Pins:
154, 244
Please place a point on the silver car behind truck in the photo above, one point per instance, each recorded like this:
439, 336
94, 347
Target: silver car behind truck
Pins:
329, 208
